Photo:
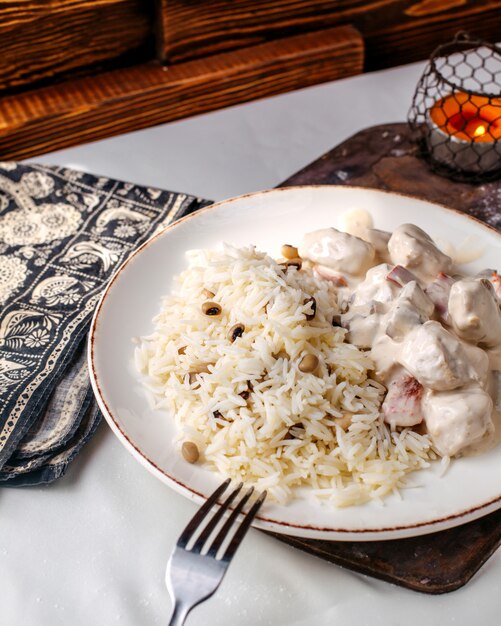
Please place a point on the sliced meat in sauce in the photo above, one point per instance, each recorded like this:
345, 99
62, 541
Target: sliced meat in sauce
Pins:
375, 287
402, 404
337, 250
457, 420
435, 339
438, 291
439, 360
414, 249
474, 312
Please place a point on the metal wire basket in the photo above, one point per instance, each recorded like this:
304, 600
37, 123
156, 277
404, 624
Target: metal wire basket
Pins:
456, 109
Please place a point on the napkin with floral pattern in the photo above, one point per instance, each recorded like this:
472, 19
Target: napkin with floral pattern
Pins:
63, 233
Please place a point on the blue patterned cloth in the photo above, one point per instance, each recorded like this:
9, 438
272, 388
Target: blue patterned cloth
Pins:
63, 233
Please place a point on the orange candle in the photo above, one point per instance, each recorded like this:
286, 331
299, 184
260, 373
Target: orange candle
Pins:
470, 118
465, 132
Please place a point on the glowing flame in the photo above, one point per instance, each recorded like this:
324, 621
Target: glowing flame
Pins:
480, 130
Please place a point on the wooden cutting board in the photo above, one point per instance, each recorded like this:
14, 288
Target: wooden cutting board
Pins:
385, 157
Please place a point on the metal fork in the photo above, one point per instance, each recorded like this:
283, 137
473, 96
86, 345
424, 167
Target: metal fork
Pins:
194, 574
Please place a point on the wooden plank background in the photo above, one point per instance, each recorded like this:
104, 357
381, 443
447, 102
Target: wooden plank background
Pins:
40, 40
394, 31
127, 99
72, 63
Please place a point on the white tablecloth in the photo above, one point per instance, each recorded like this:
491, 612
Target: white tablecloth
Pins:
92, 548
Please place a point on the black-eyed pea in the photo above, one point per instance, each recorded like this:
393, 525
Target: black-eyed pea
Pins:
211, 308
308, 363
296, 262
235, 332
289, 252
190, 452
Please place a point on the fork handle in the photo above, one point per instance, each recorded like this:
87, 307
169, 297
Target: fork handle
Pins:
179, 614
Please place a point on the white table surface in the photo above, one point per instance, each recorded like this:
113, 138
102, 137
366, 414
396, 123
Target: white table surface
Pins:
92, 548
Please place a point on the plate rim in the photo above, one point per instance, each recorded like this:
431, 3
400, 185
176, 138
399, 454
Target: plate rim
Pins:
261, 521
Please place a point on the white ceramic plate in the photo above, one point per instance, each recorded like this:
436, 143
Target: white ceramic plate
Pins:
472, 486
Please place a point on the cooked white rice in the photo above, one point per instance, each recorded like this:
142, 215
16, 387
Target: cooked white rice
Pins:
292, 429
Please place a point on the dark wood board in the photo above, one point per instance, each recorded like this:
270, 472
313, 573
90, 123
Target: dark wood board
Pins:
385, 157
111, 103
436, 563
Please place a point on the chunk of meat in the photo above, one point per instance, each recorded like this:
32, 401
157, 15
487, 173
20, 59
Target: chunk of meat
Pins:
379, 239
402, 404
400, 275
417, 298
479, 362
363, 323
438, 360
412, 307
362, 329
474, 312
438, 291
375, 287
384, 353
494, 278
401, 320
327, 273
339, 251
414, 249
457, 420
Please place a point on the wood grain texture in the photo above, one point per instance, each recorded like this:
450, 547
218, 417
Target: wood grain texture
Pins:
406, 41
437, 563
395, 31
388, 157
428, 7
124, 100
40, 39
190, 29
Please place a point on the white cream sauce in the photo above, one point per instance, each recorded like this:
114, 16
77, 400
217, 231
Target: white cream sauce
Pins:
435, 339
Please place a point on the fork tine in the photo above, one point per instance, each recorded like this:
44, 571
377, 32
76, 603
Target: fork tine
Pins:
242, 529
223, 533
205, 534
200, 514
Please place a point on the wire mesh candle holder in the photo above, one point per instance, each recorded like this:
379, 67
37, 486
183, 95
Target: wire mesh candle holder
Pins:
456, 110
